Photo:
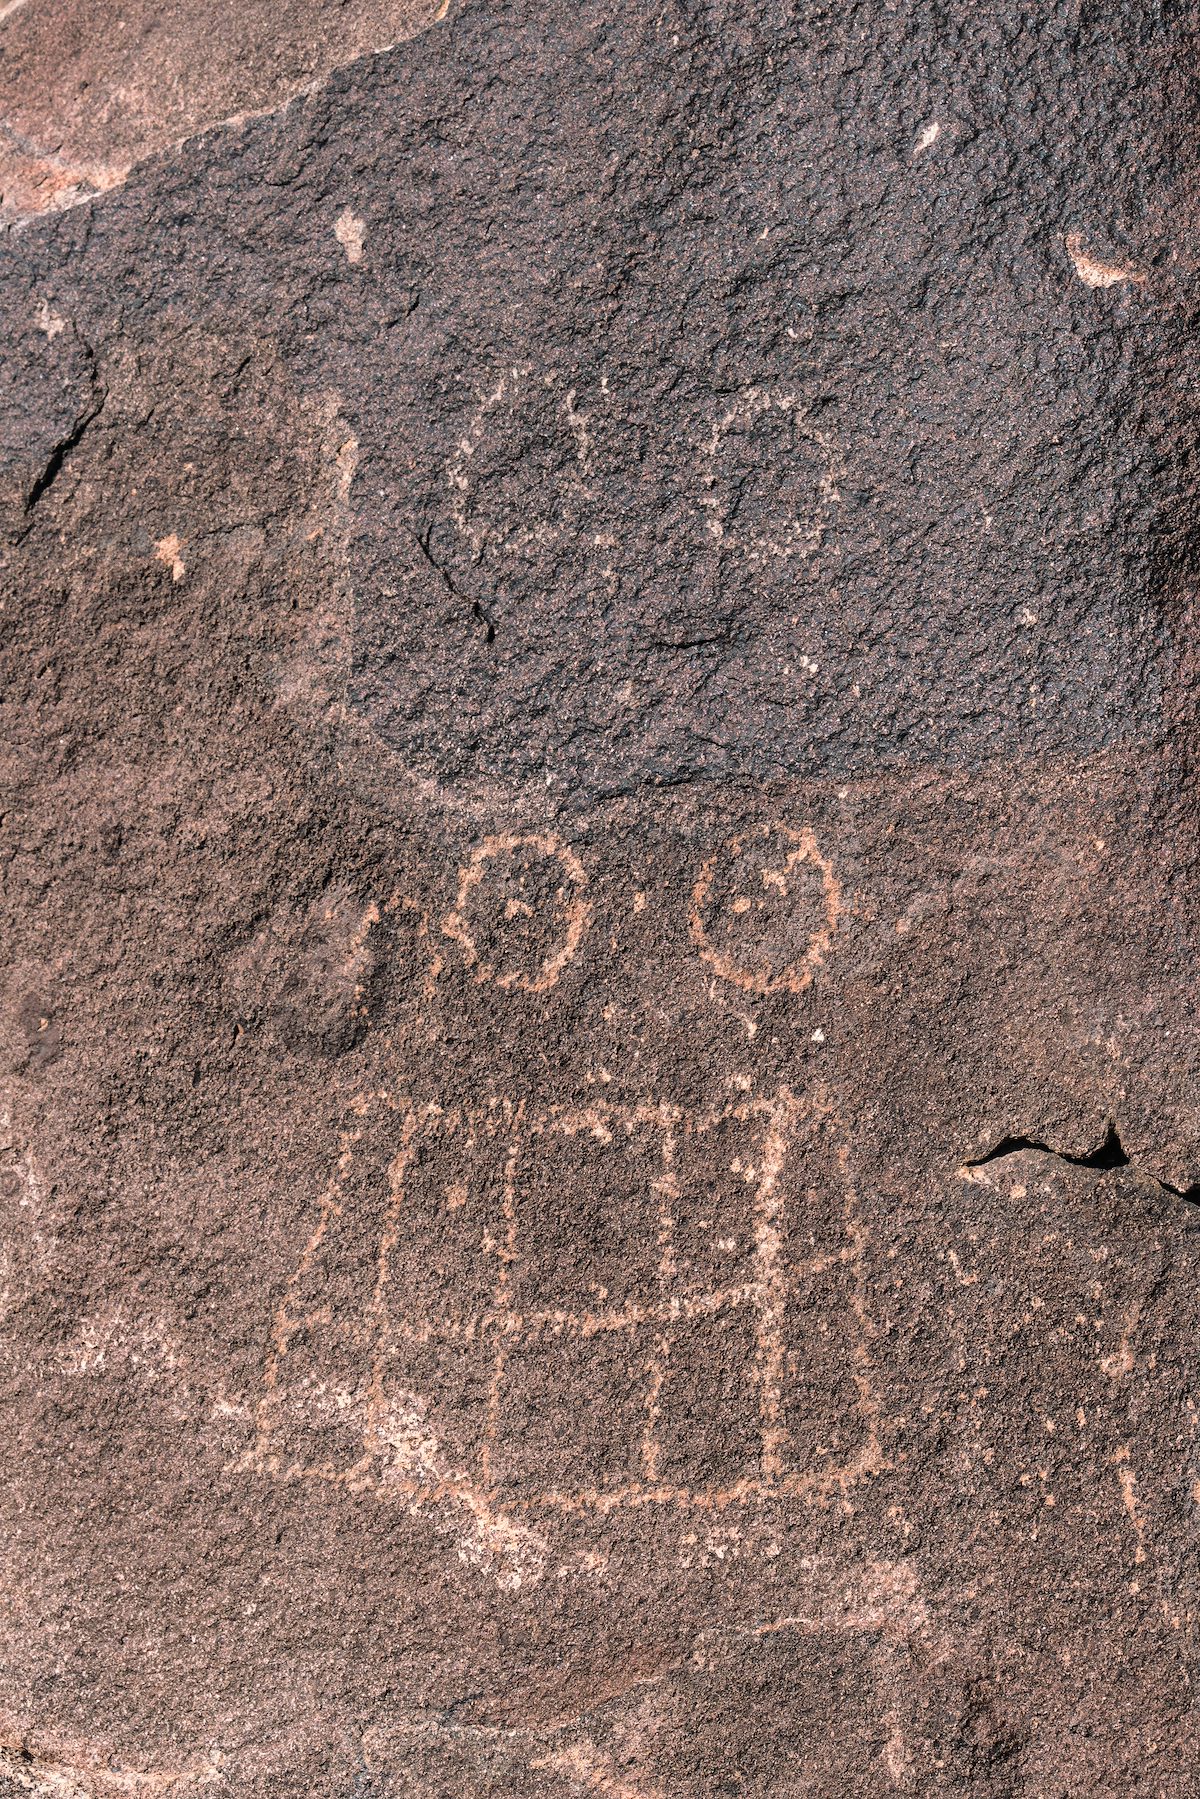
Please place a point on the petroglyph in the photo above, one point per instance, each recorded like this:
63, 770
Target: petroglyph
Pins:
764, 914
169, 551
1093, 271
867, 1614
588, 1769
111, 1340
770, 477
25, 1237
524, 415
1127, 1480
519, 915
705, 1271
351, 233
487, 1539
766, 909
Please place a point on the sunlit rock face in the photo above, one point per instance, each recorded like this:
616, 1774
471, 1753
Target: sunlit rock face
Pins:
90, 90
600, 1112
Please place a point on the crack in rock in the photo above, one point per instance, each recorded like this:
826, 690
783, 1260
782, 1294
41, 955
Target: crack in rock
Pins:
1108, 1153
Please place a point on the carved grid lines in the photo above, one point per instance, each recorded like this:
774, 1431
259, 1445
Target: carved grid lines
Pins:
501, 1327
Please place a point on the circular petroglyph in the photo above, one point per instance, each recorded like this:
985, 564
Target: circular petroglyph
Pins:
529, 423
765, 909
519, 915
770, 477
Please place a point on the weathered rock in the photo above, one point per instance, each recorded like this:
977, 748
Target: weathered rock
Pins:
88, 91
599, 827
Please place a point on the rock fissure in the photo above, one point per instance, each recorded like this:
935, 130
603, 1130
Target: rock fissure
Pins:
479, 612
71, 439
1108, 1154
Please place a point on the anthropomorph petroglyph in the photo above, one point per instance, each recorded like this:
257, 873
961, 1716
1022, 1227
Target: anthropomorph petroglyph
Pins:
600, 654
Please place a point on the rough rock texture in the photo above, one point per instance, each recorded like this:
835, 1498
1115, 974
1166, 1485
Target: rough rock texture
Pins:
90, 88
599, 848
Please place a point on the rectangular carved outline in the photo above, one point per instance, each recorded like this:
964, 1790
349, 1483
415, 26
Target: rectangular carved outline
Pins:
782, 1115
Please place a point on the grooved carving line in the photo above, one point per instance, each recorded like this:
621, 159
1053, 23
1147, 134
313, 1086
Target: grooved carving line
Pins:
410, 1376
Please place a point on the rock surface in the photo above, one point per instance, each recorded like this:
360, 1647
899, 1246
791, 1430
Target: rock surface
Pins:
599, 831
89, 90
